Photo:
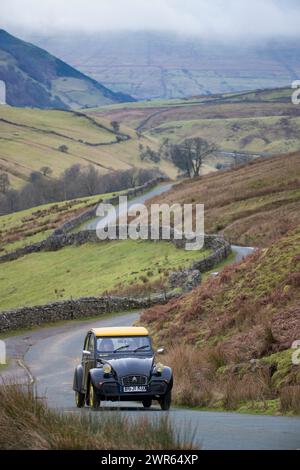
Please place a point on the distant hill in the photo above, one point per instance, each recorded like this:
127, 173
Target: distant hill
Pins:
150, 65
255, 122
35, 78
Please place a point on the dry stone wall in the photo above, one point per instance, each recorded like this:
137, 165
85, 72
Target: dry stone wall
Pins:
28, 317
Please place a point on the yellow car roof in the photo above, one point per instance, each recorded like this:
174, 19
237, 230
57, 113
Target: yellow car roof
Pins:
121, 331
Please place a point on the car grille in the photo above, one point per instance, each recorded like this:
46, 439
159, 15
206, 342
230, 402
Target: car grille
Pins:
131, 380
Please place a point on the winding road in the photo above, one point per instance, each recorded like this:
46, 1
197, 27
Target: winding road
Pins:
49, 355
52, 353
121, 210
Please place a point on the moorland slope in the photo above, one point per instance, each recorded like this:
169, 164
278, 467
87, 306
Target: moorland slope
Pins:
35, 78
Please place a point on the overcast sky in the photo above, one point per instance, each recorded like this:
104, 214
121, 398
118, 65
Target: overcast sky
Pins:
208, 18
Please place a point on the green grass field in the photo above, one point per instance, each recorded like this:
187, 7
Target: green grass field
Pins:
90, 269
30, 139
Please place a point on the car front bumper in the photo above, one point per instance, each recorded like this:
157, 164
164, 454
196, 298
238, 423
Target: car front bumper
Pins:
112, 390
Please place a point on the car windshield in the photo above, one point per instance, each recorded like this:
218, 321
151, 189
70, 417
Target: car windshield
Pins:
123, 344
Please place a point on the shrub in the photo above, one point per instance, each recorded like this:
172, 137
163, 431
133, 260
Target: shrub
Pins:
290, 398
63, 148
216, 357
251, 386
191, 387
294, 279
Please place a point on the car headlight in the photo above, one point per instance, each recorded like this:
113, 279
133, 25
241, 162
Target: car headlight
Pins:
159, 367
107, 369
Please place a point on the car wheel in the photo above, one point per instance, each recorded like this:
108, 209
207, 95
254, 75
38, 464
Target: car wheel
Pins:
94, 400
79, 399
147, 403
165, 401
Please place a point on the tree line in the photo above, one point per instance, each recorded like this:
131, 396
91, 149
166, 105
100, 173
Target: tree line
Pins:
74, 182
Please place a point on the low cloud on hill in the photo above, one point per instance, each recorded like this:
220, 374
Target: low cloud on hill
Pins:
215, 18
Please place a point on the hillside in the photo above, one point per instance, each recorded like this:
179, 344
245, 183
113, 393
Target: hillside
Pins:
35, 78
150, 65
124, 267
32, 138
29, 226
255, 122
251, 205
229, 340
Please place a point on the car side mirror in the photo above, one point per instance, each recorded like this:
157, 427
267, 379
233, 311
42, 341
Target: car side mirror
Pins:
160, 351
86, 354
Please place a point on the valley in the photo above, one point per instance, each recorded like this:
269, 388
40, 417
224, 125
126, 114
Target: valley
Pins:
261, 122
247, 312
149, 230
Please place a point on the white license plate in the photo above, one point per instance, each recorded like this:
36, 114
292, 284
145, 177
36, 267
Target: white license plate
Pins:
140, 388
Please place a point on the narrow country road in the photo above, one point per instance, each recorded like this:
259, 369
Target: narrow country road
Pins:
49, 355
241, 252
122, 208
52, 353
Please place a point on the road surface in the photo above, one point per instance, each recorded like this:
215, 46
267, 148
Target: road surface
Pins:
241, 252
52, 353
99, 222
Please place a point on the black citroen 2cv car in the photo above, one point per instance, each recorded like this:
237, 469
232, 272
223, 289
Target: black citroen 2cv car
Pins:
119, 364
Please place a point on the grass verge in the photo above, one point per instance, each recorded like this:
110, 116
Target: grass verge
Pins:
27, 423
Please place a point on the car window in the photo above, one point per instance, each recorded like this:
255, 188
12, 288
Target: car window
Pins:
91, 343
123, 344
86, 342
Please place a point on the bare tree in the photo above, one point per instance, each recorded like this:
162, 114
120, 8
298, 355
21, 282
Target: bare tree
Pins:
201, 149
46, 171
180, 157
72, 172
190, 155
4, 183
149, 154
74, 182
35, 177
63, 148
90, 180
116, 126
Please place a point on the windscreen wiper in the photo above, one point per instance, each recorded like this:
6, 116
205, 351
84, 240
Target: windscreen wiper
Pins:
142, 347
121, 347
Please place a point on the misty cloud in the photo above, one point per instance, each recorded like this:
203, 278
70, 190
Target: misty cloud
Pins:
208, 18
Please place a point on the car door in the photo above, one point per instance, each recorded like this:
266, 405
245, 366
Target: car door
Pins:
88, 357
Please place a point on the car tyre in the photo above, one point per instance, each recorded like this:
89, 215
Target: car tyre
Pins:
79, 399
94, 400
165, 401
147, 403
